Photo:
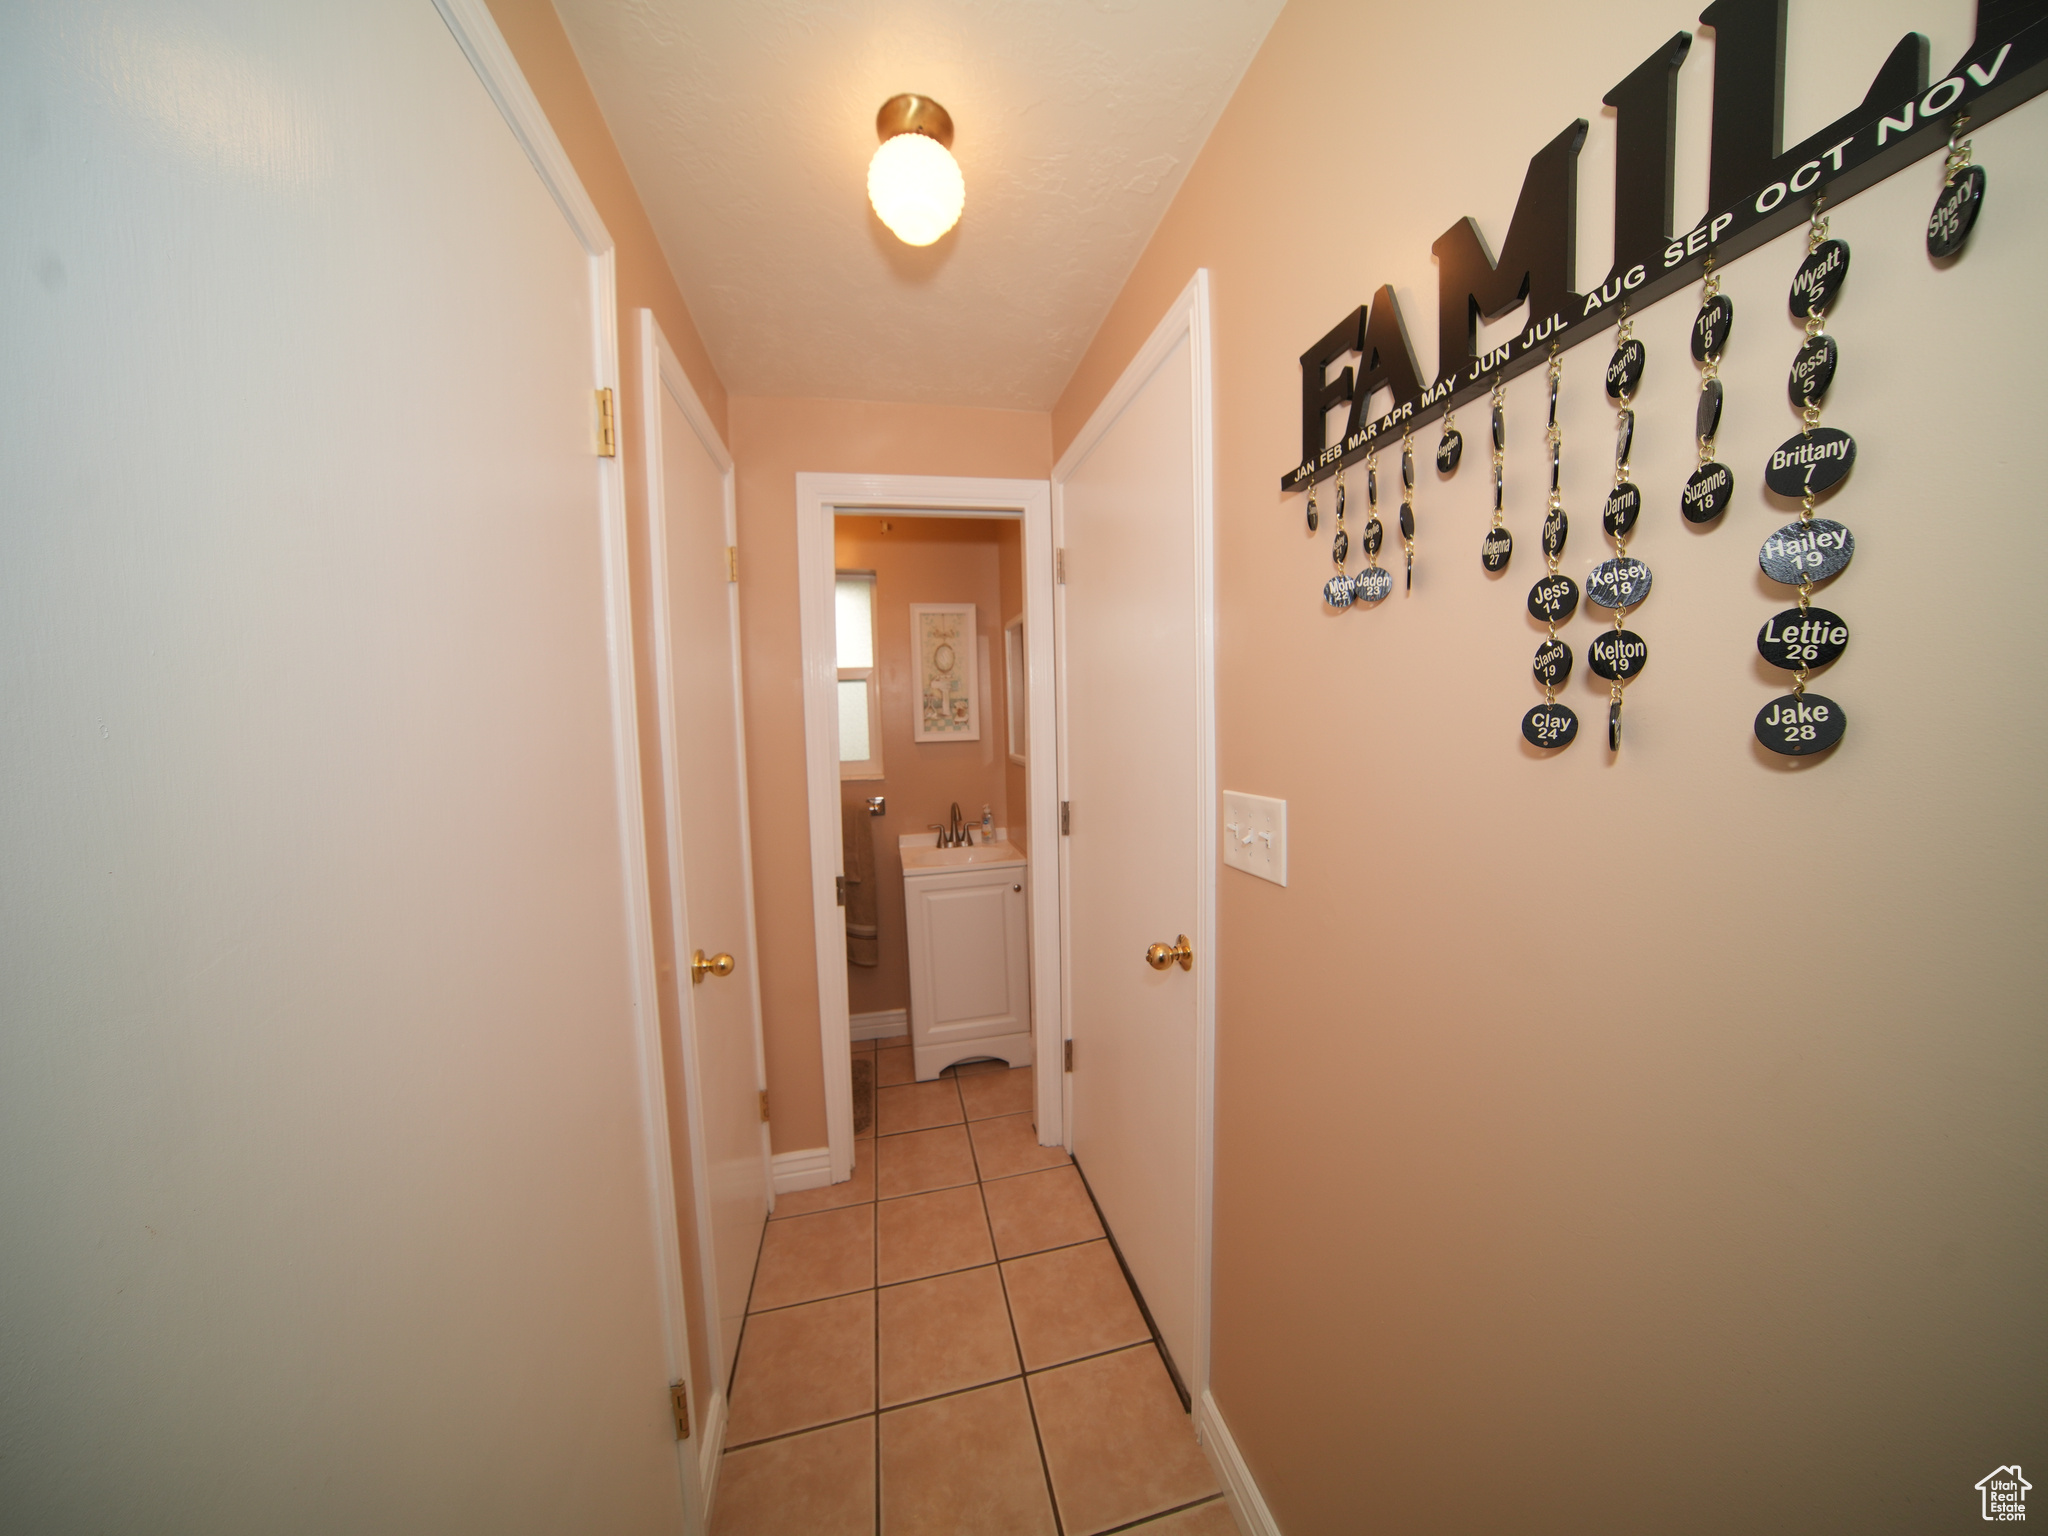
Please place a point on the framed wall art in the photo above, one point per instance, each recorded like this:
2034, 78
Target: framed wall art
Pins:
949, 702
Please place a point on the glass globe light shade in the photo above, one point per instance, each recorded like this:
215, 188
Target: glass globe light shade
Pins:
916, 188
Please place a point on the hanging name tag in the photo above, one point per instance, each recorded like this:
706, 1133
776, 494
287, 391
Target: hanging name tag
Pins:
1819, 279
1625, 370
1340, 546
1500, 428
1555, 527
1449, 449
1372, 584
1810, 462
1707, 493
1338, 591
1619, 583
1312, 519
1624, 503
1624, 436
1495, 548
1550, 725
1616, 655
1407, 521
1553, 663
1711, 326
1800, 726
1815, 550
1795, 639
1554, 599
1813, 370
1955, 213
1371, 537
1706, 421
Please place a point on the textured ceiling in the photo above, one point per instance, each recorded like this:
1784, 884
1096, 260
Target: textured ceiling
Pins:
747, 125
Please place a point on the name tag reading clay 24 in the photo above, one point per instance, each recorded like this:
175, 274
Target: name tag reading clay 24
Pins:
1550, 725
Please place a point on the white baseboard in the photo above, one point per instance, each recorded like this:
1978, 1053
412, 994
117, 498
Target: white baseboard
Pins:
809, 1168
1242, 1494
711, 1454
880, 1026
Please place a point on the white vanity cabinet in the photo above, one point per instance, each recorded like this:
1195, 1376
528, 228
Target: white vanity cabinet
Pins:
970, 983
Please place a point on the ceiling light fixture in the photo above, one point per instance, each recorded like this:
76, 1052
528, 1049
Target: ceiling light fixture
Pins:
913, 181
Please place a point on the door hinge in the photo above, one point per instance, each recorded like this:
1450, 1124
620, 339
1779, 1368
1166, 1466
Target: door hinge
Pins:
839, 887
764, 1106
1066, 824
607, 430
1059, 567
679, 1405
1070, 1055
732, 562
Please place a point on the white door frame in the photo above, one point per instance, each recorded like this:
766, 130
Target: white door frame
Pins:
661, 370
819, 497
1187, 318
477, 33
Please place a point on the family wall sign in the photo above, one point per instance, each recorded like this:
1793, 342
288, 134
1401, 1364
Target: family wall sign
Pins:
1756, 190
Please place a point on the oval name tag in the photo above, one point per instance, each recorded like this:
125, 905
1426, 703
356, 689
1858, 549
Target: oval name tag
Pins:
1372, 584
1556, 527
1706, 420
1814, 551
1625, 370
1955, 213
1370, 537
1338, 591
1813, 370
1617, 654
1797, 638
1624, 436
1618, 583
1340, 546
1799, 726
1818, 279
1553, 663
1550, 725
1711, 326
1810, 462
1495, 549
1407, 521
1554, 599
1707, 493
1500, 428
1624, 505
1449, 449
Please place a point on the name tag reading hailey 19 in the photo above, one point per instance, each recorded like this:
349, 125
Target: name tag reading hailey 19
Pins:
1800, 725
1619, 583
1810, 462
1550, 725
1811, 551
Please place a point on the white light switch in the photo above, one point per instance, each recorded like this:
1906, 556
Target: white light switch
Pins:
1255, 835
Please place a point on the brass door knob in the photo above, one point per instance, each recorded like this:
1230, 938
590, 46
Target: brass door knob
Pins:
1160, 956
717, 965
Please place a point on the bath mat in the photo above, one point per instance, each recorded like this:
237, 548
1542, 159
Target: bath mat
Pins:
863, 1093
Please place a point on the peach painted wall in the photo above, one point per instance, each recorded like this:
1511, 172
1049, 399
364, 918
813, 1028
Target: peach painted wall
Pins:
534, 33
773, 441
1613, 1143
923, 560
1016, 783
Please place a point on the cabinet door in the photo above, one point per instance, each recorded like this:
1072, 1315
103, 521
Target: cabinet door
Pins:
968, 961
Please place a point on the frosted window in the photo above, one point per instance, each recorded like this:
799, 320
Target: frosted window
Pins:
853, 722
854, 602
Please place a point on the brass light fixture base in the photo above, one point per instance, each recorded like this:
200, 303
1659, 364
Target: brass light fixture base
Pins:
914, 114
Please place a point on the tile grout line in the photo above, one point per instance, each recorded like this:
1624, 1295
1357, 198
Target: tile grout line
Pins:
1052, 1498
875, 1211
1165, 1514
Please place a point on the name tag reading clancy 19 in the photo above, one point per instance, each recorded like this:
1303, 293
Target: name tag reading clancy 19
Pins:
1814, 550
1550, 725
1800, 725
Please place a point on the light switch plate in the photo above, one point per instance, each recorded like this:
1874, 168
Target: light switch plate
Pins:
1255, 835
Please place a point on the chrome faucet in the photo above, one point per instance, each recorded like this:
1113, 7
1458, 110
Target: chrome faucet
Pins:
954, 835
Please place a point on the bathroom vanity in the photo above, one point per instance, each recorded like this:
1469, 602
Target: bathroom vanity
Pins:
970, 983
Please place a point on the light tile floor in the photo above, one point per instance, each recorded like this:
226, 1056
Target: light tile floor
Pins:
945, 1345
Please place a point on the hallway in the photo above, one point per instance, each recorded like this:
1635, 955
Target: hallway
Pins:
945, 1344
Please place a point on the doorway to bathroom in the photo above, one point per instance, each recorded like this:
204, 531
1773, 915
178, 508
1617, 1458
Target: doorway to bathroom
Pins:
927, 629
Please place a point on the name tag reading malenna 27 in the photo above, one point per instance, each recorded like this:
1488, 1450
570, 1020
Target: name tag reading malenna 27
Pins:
1807, 551
1619, 583
1799, 726
1808, 637
1496, 548
1810, 462
1550, 725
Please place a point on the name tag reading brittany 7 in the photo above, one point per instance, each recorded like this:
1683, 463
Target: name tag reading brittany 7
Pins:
1811, 462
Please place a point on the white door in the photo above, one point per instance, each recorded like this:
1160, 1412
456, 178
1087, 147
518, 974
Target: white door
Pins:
715, 1064
324, 1172
1135, 660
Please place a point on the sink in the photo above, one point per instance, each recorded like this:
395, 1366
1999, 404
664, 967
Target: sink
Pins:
982, 855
